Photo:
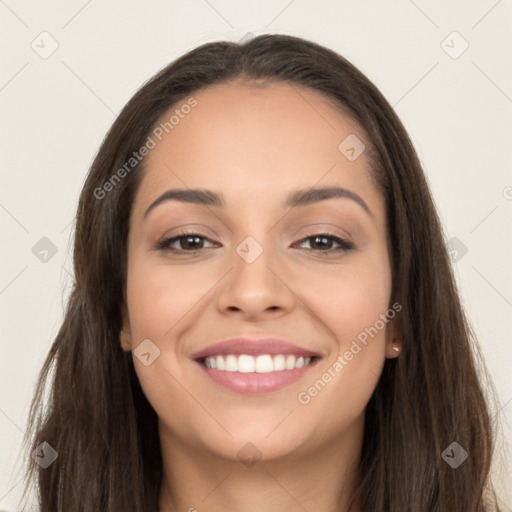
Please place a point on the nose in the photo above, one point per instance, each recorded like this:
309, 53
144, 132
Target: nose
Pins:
257, 289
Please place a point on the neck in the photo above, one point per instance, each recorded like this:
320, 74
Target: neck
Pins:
321, 479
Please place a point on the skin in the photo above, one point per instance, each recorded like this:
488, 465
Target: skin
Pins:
255, 145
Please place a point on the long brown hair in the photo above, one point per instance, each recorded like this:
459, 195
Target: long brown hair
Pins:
96, 416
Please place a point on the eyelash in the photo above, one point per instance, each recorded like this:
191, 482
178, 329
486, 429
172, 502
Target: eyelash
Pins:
345, 245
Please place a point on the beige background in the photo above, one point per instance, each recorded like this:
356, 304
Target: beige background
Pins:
456, 104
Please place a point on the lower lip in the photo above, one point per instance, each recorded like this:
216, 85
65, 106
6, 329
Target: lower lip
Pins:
255, 383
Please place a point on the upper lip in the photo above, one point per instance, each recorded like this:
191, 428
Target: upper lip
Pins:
247, 346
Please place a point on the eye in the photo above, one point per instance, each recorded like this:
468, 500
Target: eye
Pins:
192, 242
322, 242
188, 242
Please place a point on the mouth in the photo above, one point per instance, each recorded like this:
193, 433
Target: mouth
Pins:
253, 375
264, 363
250, 366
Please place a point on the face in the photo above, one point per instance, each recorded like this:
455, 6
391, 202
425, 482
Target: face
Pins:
314, 273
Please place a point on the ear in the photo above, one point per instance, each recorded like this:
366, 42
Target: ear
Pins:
125, 336
394, 338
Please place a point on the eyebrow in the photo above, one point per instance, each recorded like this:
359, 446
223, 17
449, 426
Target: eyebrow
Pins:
301, 197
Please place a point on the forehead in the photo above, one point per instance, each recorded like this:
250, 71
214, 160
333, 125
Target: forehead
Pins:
257, 141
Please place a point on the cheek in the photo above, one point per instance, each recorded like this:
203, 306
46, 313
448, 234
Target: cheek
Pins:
348, 298
351, 303
159, 297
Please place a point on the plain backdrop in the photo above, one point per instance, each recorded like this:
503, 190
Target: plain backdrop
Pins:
69, 67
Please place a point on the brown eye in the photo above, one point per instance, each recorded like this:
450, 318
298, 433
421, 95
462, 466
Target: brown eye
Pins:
187, 242
323, 242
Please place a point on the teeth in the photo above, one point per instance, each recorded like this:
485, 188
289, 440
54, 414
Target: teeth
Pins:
231, 363
221, 364
264, 363
246, 364
290, 363
279, 363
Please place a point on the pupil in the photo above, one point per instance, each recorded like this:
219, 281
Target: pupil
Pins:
187, 240
322, 246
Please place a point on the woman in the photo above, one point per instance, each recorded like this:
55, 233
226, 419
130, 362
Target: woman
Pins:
264, 315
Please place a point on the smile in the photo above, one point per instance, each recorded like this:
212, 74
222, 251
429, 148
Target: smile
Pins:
253, 375
264, 363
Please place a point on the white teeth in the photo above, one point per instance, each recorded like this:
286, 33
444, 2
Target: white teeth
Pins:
246, 364
279, 363
231, 364
221, 364
264, 363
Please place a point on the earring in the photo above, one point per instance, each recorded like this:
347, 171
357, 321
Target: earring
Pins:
396, 348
